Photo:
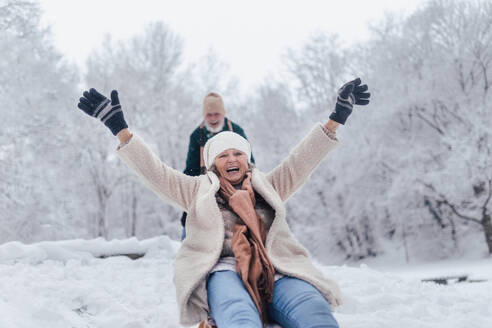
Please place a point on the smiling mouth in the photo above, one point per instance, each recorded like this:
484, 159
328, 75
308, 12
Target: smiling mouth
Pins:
232, 169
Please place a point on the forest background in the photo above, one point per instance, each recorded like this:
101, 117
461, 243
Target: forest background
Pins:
412, 179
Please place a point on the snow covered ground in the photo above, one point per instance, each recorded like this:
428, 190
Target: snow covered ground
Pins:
63, 284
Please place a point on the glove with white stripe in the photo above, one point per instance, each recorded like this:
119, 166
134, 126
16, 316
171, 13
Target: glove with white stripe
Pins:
109, 112
349, 94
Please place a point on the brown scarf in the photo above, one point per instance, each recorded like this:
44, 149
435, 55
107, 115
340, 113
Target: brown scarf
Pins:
248, 244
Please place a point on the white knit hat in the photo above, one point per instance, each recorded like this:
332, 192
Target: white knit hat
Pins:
223, 141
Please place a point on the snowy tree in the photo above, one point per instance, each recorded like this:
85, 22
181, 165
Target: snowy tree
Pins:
332, 197
434, 69
155, 93
317, 70
212, 74
271, 123
36, 147
416, 163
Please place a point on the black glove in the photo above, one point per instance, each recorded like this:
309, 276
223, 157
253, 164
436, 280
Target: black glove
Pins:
349, 94
95, 104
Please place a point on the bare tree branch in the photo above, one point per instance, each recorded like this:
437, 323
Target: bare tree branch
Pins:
444, 200
426, 120
458, 214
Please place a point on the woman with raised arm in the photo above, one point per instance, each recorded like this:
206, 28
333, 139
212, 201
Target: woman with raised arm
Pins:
240, 265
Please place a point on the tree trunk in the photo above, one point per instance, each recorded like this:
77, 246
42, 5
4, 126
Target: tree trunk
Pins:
133, 215
102, 196
487, 229
101, 225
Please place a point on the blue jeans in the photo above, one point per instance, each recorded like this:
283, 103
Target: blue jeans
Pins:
296, 303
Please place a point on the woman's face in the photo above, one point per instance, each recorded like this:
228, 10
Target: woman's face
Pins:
232, 164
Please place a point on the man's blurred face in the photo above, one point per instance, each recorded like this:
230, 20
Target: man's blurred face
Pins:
214, 120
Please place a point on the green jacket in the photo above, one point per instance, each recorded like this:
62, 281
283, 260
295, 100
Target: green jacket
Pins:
197, 140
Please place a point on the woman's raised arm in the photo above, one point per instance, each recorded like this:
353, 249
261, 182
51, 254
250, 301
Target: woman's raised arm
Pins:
291, 174
168, 183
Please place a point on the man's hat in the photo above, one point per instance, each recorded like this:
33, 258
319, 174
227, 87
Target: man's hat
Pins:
213, 103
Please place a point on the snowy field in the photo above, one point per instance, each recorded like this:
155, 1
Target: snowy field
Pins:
65, 285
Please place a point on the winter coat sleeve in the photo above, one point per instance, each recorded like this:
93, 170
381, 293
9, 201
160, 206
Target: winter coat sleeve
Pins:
169, 184
294, 170
193, 156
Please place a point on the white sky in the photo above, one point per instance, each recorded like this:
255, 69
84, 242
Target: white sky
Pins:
249, 35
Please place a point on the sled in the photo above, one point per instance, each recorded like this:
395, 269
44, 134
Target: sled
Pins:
447, 279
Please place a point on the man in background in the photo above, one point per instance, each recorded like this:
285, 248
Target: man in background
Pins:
214, 121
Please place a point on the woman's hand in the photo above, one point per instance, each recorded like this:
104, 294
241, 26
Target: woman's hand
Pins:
109, 112
226, 189
349, 94
332, 126
124, 136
